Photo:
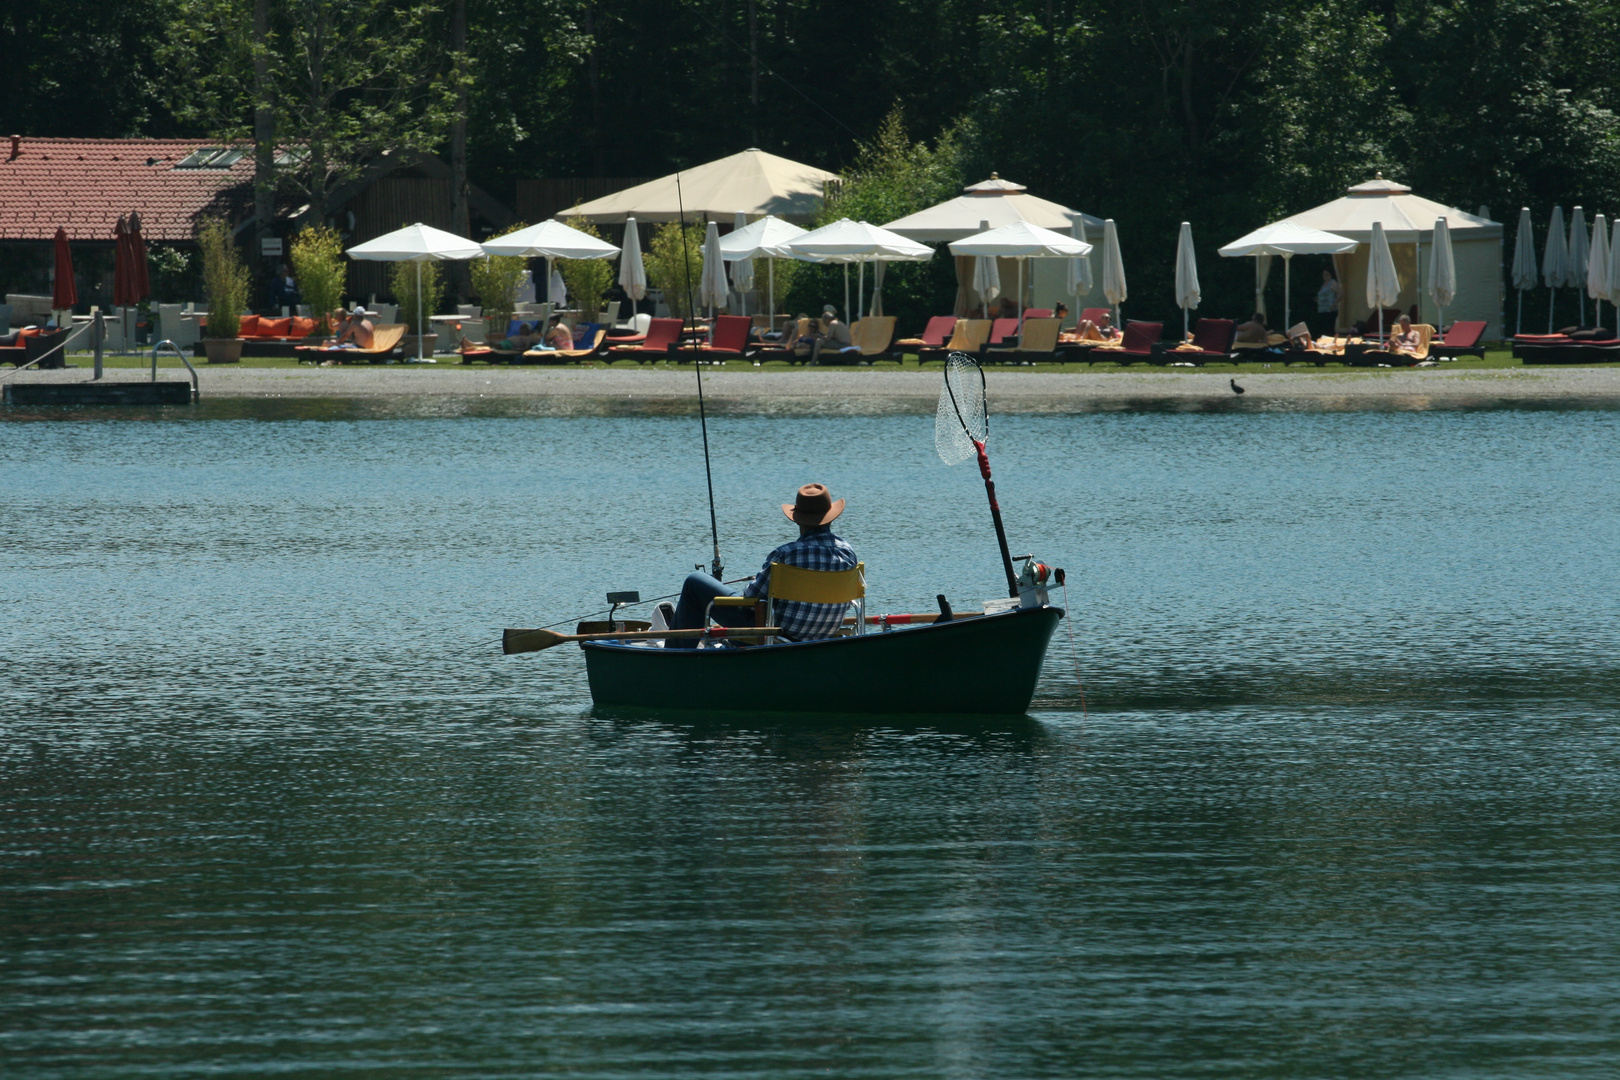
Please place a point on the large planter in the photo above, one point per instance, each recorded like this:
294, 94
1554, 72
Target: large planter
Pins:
407, 345
223, 350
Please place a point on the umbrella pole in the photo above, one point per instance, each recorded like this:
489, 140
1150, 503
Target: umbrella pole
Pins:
1552, 298
418, 310
860, 288
1288, 262
1518, 326
846, 294
770, 302
1021, 302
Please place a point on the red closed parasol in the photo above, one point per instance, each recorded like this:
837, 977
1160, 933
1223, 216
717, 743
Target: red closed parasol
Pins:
137, 254
123, 267
66, 293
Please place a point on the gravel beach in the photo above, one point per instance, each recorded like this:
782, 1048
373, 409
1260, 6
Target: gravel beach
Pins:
821, 388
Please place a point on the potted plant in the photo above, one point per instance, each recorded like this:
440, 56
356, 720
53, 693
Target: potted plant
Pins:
587, 279
225, 284
316, 259
495, 279
418, 287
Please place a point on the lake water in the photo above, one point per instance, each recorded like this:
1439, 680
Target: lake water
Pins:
1342, 801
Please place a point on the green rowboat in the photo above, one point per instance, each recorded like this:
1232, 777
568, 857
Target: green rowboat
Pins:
984, 665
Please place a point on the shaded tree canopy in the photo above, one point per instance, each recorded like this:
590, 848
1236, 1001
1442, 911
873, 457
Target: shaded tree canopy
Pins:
1224, 113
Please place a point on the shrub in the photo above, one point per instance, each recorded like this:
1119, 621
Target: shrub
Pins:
673, 264
587, 279
495, 280
225, 280
316, 258
410, 302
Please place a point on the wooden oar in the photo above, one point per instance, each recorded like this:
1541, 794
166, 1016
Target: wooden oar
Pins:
516, 641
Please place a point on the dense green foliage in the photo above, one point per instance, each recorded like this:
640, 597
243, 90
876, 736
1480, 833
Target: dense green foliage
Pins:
1222, 113
316, 258
587, 279
495, 282
225, 280
419, 288
674, 262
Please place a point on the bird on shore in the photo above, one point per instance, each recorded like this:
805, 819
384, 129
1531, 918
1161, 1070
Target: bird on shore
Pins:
1236, 389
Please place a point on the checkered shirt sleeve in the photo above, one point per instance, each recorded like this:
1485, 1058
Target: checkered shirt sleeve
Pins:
814, 551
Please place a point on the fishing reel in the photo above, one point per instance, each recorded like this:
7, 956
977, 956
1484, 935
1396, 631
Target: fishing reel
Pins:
1034, 580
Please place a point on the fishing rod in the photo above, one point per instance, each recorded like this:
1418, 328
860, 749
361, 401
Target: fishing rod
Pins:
964, 395
716, 568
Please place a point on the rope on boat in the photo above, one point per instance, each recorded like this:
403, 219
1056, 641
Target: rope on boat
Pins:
1074, 654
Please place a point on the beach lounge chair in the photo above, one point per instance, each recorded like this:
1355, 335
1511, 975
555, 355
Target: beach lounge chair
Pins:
1002, 332
1037, 313
1136, 343
631, 332
661, 335
729, 341
1461, 340
384, 339
968, 337
1391, 358
588, 346
1039, 341
934, 335
869, 338
1211, 340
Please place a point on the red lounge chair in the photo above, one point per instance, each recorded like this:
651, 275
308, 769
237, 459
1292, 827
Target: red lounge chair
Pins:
1461, 340
934, 335
730, 341
1003, 332
1212, 340
661, 334
1095, 314
1137, 342
1038, 313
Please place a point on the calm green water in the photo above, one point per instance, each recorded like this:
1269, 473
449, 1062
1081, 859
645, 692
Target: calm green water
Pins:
1344, 804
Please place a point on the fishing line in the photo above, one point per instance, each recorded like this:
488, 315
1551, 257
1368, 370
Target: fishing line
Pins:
1074, 654
691, 305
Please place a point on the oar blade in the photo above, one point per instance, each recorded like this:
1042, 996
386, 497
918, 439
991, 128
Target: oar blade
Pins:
517, 641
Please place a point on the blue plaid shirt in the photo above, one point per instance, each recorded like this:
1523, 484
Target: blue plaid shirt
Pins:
818, 549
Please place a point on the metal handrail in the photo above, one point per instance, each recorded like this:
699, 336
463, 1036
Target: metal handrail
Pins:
48, 353
196, 389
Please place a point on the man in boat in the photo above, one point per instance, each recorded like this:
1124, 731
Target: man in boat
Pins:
817, 548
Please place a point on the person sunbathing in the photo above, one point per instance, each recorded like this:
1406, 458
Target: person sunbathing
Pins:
804, 344
1404, 338
358, 332
1101, 330
1253, 332
557, 335
514, 343
339, 318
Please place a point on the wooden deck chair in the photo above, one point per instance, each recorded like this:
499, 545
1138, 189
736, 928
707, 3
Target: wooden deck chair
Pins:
869, 339
934, 335
1038, 342
1391, 358
969, 337
384, 339
794, 584
561, 356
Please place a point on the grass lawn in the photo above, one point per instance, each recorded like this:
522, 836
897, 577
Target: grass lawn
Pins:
1494, 358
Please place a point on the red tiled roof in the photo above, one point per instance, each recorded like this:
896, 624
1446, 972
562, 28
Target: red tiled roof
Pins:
83, 185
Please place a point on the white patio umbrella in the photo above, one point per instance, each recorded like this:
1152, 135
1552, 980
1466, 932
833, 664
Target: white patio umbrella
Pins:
1021, 241
418, 244
551, 240
1187, 293
860, 242
1554, 261
1524, 263
1114, 290
1078, 280
1575, 268
632, 270
986, 280
712, 285
1597, 267
1442, 270
742, 270
1383, 286
764, 237
1285, 238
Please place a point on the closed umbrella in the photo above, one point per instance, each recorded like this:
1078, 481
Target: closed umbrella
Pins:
986, 280
1187, 294
1078, 280
418, 244
1524, 263
876, 306
742, 270
632, 271
1554, 261
1262, 274
1383, 287
64, 292
1597, 267
1442, 270
1113, 269
141, 275
1614, 264
712, 284
1575, 268
556, 289
123, 269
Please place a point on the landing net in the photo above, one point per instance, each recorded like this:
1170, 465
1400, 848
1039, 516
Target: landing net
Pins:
961, 418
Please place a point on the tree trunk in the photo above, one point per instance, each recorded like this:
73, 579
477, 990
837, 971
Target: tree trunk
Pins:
460, 216
264, 137
593, 72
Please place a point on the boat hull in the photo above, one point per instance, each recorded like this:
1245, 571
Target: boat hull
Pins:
986, 665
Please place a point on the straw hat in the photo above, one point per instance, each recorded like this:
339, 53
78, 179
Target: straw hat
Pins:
813, 506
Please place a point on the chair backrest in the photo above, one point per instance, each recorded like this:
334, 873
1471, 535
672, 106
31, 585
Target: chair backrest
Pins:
611, 315
1214, 335
662, 333
1040, 335
1002, 329
591, 342
877, 332
1464, 333
386, 313
731, 332
1141, 336
384, 338
938, 330
1037, 313
817, 586
5, 318
1095, 314
970, 334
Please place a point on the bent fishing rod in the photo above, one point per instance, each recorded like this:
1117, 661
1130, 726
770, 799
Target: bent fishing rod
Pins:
716, 568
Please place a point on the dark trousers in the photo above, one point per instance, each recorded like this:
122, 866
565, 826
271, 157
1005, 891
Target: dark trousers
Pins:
696, 592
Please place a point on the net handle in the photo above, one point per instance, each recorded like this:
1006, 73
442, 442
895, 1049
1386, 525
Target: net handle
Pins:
984, 466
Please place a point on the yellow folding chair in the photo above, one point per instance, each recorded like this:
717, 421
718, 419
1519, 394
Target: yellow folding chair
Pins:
794, 584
